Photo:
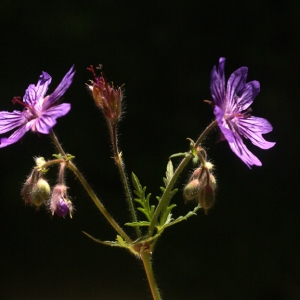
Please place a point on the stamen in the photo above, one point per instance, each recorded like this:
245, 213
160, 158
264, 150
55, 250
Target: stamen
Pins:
91, 69
16, 100
100, 67
209, 102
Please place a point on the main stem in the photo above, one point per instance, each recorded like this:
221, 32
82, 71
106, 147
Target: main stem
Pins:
121, 166
145, 256
91, 193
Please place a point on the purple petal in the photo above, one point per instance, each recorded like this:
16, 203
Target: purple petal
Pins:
44, 124
47, 120
217, 83
252, 128
58, 110
62, 208
236, 86
223, 125
15, 136
251, 90
29, 97
42, 85
239, 148
60, 90
11, 120
34, 93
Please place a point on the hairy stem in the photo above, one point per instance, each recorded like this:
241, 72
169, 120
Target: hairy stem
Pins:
166, 195
91, 193
145, 256
205, 132
121, 166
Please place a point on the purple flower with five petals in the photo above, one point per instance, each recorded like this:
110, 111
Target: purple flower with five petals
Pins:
40, 112
231, 108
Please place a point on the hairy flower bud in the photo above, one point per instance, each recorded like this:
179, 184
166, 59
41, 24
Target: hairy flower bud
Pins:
191, 190
206, 197
196, 174
40, 192
59, 202
201, 187
36, 190
26, 191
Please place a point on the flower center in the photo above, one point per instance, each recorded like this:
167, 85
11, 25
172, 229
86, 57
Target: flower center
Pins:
16, 100
245, 114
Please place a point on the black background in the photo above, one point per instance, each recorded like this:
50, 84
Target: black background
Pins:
248, 247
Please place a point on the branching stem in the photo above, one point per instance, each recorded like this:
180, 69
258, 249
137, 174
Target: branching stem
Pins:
165, 199
91, 193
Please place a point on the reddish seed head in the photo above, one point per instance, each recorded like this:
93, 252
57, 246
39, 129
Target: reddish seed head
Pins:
106, 96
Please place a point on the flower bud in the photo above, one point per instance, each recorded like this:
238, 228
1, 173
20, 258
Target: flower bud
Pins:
206, 198
62, 208
191, 190
40, 192
59, 202
201, 187
196, 173
26, 191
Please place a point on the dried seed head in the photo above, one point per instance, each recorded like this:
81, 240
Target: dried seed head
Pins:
106, 96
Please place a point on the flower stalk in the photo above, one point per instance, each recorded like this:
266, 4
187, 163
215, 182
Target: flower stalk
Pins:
121, 167
91, 193
109, 100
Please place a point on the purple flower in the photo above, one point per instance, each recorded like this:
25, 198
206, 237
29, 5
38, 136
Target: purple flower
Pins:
40, 112
62, 208
59, 201
231, 108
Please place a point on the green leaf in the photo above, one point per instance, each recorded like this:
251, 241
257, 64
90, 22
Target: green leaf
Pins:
136, 183
179, 154
169, 172
108, 243
166, 215
181, 218
121, 241
144, 202
140, 223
